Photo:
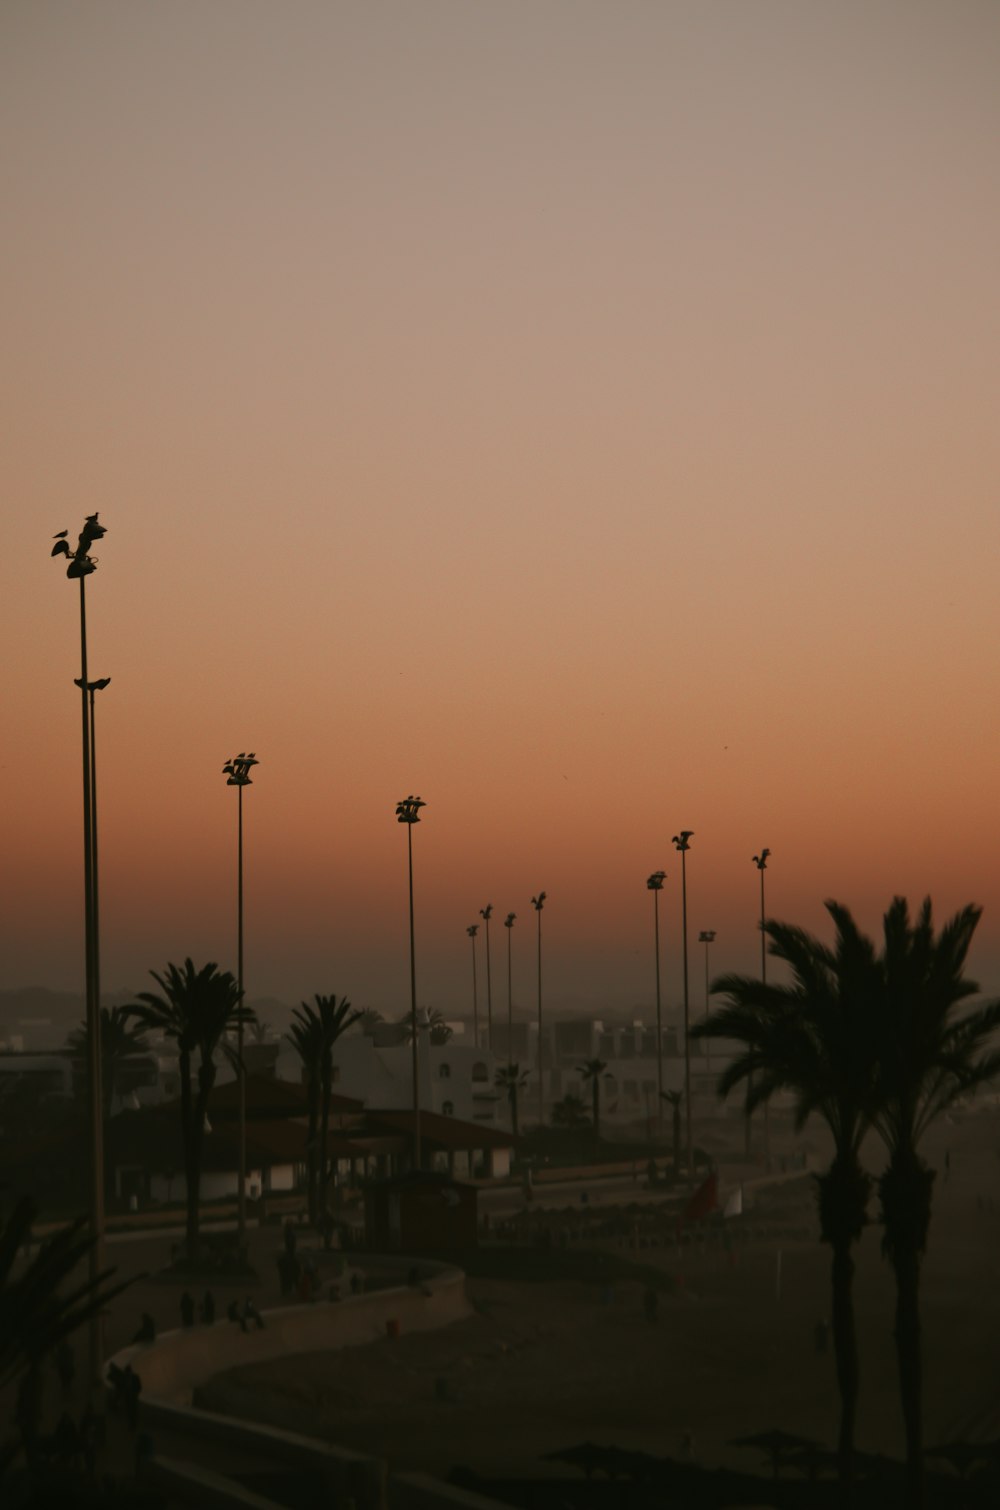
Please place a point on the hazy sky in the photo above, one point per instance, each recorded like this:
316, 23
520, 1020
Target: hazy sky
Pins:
583, 415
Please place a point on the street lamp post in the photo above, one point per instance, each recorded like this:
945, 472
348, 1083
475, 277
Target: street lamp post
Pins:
761, 863
472, 930
538, 903
508, 923
408, 812
80, 565
486, 913
707, 937
91, 688
655, 885
681, 842
238, 771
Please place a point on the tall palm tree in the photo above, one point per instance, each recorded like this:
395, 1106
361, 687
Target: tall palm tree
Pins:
196, 1009
929, 1056
322, 1025
816, 1039
119, 1038
511, 1079
591, 1071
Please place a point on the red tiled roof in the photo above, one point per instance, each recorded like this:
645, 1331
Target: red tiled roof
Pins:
272, 1098
437, 1131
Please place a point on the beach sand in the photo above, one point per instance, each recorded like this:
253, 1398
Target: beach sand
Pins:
542, 1367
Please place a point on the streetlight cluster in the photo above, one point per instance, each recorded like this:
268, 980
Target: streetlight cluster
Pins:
80, 565
682, 843
408, 812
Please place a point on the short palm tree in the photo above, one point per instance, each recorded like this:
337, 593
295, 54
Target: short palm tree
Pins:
119, 1039
42, 1305
306, 1038
816, 1039
438, 1031
929, 1056
570, 1112
38, 1308
370, 1019
196, 1009
590, 1071
314, 1031
511, 1079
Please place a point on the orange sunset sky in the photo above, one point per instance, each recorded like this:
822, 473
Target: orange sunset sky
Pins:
583, 415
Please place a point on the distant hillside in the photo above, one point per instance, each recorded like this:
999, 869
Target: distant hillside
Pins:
44, 1019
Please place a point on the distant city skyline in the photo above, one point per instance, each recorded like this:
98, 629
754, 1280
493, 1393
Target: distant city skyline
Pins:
580, 415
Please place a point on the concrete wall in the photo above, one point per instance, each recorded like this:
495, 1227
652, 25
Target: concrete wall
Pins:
173, 1367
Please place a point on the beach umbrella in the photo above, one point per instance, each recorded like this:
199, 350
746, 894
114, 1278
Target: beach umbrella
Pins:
774, 1443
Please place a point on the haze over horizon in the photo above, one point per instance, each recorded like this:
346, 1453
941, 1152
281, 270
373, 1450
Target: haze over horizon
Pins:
582, 416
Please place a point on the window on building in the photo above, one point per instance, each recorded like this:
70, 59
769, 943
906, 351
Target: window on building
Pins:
479, 1071
444, 1071
448, 1109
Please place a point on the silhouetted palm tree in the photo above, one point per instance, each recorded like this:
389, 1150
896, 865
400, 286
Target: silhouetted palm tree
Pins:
320, 1027
36, 1312
590, 1071
816, 1038
196, 1009
429, 1018
119, 1039
370, 1019
306, 1037
929, 1056
511, 1079
570, 1112
40, 1307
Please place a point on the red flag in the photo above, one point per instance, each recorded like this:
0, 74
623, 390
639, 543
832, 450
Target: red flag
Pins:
704, 1200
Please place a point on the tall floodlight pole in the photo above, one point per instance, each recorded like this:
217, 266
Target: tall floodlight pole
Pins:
408, 812
486, 913
761, 863
655, 885
538, 903
472, 930
681, 842
508, 923
80, 565
707, 937
238, 771
92, 687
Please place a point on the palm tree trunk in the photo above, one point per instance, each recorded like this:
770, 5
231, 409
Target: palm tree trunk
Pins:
905, 1194
595, 1091
206, 1079
845, 1347
324, 1134
842, 1193
312, 1153
191, 1162
513, 1110
910, 1364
